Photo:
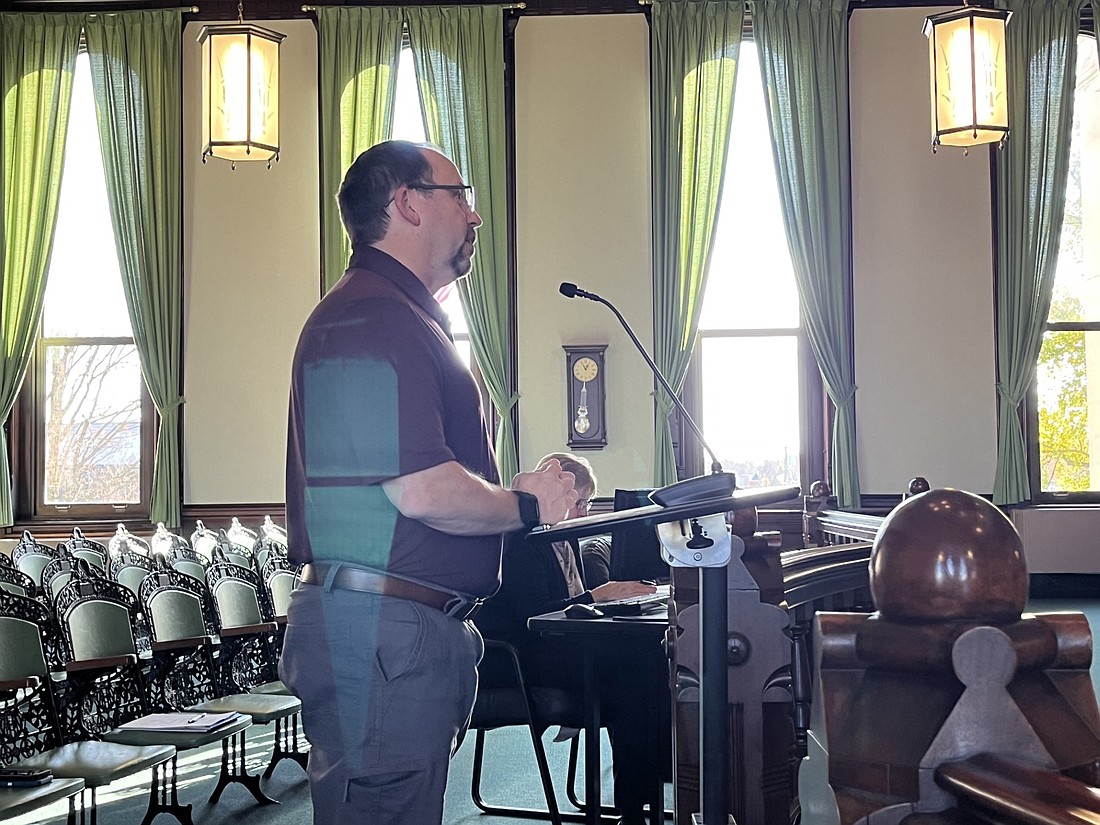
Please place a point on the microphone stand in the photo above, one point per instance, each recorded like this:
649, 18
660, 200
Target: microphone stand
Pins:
714, 757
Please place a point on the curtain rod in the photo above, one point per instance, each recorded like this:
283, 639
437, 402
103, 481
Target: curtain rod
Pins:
502, 5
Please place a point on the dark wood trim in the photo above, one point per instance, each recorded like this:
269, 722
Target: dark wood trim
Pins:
511, 20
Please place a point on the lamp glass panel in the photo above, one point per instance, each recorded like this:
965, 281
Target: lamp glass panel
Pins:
265, 91
206, 80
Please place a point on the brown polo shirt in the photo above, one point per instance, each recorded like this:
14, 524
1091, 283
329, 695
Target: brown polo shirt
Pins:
379, 391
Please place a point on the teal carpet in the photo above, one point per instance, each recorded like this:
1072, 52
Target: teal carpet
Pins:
510, 777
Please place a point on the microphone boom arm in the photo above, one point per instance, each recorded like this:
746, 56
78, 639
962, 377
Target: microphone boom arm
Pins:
715, 464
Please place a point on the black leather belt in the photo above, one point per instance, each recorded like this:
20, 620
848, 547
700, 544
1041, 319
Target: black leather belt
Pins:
365, 581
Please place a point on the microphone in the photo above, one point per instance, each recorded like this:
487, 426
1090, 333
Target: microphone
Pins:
573, 291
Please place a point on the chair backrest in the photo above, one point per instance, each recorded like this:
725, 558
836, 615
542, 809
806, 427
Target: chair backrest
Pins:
6, 562
130, 569
177, 605
84, 548
204, 540
30, 556
97, 616
123, 541
241, 536
279, 578
28, 716
239, 600
23, 622
228, 550
264, 548
12, 581
58, 571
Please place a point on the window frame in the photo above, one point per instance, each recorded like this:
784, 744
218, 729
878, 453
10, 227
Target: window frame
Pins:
1030, 413
815, 411
27, 447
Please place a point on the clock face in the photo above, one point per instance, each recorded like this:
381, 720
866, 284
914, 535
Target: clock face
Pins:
585, 369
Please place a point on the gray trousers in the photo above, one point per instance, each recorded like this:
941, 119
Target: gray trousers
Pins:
387, 687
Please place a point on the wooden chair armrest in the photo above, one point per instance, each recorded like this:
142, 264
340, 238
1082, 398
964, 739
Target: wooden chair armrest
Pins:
102, 663
178, 644
20, 684
1018, 790
247, 630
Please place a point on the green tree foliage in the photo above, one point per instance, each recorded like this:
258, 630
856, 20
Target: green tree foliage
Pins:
1063, 407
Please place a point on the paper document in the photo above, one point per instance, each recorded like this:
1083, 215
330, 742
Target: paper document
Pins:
183, 722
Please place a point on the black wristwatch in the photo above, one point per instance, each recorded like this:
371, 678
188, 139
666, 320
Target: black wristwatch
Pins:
528, 509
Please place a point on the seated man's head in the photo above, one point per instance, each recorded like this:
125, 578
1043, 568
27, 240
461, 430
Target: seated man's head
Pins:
585, 483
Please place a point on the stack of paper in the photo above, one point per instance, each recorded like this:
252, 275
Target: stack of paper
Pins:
183, 722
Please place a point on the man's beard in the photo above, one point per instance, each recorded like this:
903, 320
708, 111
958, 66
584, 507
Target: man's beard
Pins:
462, 263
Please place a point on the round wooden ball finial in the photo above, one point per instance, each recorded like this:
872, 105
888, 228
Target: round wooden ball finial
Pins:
947, 554
820, 489
919, 485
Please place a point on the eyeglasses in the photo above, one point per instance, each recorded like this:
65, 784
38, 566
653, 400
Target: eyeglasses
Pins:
462, 192
583, 503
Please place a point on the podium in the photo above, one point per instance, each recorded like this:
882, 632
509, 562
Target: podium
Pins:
694, 534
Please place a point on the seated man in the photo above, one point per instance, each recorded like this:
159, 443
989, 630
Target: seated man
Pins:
634, 700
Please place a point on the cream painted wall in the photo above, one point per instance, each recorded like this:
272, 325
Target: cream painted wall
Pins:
251, 252
923, 273
922, 263
582, 157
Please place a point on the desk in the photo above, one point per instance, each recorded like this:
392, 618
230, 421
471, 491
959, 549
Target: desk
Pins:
594, 636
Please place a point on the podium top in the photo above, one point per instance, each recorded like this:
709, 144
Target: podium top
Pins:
655, 514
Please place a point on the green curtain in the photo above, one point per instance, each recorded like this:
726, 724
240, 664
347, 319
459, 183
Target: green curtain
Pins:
1031, 188
37, 61
459, 54
803, 48
137, 83
358, 51
694, 49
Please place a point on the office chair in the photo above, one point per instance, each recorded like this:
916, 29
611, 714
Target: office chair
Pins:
505, 700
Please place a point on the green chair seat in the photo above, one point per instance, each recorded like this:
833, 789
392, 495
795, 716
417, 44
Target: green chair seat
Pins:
276, 688
262, 707
99, 763
180, 740
18, 801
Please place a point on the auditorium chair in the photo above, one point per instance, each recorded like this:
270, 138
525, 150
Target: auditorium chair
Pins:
33, 736
59, 571
130, 569
188, 562
232, 551
184, 674
204, 540
15, 582
85, 548
948, 706
107, 686
249, 659
30, 556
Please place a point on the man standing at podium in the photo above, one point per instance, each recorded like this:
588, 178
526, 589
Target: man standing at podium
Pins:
393, 505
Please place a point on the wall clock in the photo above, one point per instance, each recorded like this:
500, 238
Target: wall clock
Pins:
586, 396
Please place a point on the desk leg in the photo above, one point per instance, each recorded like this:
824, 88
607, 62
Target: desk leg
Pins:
592, 794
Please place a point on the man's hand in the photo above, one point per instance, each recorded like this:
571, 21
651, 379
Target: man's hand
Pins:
621, 590
552, 486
